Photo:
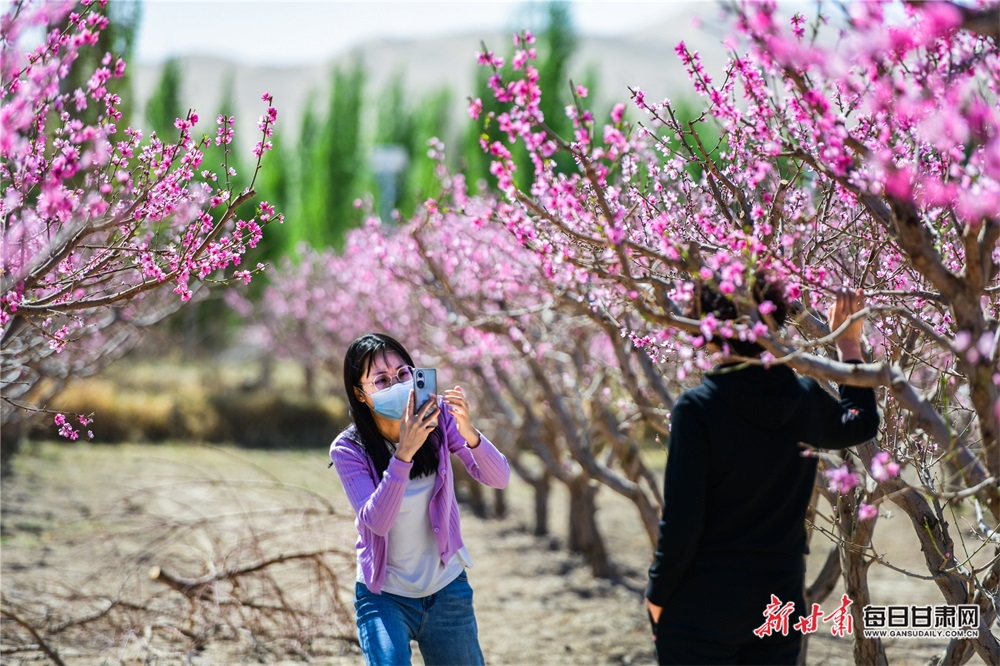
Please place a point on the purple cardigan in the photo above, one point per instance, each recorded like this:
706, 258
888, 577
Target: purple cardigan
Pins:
377, 504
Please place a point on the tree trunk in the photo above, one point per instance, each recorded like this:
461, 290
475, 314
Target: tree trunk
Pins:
499, 503
542, 486
309, 376
469, 490
11, 436
960, 651
584, 535
857, 537
266, 371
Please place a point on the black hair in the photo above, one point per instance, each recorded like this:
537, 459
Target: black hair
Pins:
765, 287
357, 362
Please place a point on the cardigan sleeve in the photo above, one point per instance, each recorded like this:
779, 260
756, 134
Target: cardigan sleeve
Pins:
485, 462
376, 505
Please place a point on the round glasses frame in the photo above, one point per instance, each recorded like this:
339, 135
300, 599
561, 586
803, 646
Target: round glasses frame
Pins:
382, 382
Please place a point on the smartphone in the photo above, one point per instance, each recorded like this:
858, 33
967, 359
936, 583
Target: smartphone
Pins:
424, 386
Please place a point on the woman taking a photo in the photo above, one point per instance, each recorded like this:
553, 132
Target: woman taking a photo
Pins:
395, 464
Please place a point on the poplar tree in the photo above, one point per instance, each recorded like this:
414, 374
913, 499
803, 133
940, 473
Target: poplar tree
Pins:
430, 121
337, 169
164, 105
412, 127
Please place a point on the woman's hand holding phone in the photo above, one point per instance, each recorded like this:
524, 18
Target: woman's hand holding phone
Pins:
424, 386
415, 427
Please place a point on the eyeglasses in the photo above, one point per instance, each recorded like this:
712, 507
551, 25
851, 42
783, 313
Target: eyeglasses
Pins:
384, 380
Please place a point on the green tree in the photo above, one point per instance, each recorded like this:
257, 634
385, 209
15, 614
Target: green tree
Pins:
164, 105
556, 46
411, 127
430, 120
302, 167
395, 135
125, 19
395, 121
336, 164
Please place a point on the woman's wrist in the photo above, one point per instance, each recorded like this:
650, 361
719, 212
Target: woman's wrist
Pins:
472, 440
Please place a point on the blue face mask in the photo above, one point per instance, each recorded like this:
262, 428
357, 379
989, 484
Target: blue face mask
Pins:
393, 401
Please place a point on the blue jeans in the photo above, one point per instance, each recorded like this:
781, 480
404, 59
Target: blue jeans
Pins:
443, 625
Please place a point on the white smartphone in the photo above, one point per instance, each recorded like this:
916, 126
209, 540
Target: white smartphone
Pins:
424, 386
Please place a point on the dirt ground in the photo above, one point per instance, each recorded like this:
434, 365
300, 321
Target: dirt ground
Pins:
535, 603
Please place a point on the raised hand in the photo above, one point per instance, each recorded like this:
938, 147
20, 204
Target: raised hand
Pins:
847, 304
458, 404
415, 427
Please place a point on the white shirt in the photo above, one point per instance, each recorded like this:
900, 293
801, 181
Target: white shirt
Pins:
413, 565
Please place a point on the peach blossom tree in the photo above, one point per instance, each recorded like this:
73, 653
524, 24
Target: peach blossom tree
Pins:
554, 383
864, 153
105, 231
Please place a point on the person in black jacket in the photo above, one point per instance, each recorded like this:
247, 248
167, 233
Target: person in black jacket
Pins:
736, 491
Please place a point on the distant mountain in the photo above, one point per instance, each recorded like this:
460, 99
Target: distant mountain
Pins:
645, 59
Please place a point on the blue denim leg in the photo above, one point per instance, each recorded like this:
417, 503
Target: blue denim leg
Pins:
443, 624
386, 623
449, 635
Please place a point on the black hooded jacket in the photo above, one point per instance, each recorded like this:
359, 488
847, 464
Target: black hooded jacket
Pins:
737, 483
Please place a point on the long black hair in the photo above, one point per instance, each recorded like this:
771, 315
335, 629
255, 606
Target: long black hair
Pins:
357, 362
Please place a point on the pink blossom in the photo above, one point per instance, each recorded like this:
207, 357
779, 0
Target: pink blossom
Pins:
899, 183
708, 325
987, 346
939, 18
475, 108
842, 479
882, 468
866, 512
798, 25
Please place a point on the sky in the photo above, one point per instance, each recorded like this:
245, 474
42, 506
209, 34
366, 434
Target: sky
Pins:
282, 33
